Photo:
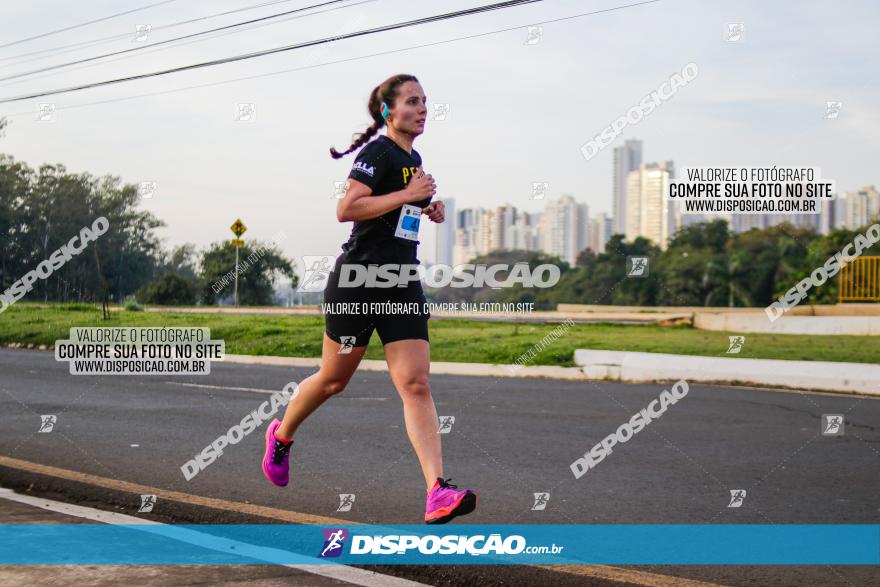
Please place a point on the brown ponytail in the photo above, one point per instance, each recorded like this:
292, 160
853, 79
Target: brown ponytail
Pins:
384, 92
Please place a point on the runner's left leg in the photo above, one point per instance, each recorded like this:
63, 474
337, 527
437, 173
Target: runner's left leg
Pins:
408, 364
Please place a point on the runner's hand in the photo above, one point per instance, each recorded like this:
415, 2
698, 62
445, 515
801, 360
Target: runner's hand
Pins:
436, 211
420, 187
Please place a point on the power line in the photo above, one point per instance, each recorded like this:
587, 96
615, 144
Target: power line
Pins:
338, 61
166, 41
76, 26
128, 35
436, 18
200, 40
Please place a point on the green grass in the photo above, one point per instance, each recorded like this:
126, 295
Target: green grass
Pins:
451, 340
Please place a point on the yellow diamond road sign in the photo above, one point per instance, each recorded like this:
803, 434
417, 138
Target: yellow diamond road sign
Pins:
238, 228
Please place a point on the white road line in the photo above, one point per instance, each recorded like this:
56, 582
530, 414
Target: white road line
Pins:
258, 390
203, 385
345, 573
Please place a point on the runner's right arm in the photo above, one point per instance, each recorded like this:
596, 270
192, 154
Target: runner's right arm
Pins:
359, 205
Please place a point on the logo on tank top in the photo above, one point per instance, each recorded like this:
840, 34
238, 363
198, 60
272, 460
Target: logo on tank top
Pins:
409, 172
364, 168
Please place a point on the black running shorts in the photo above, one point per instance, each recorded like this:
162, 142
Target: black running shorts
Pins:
352, 313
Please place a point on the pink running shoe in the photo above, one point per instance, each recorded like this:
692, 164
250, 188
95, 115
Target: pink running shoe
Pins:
276, 464
445, 502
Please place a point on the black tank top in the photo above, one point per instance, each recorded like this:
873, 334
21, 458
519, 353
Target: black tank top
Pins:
385, 167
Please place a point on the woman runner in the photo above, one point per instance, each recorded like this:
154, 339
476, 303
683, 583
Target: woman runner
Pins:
386, 193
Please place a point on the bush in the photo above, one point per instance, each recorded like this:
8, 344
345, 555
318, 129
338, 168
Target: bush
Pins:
132, 306
77, 307
169, 290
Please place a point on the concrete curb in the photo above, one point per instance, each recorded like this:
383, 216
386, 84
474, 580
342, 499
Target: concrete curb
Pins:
817, 325
437, 367
635, 367
632, 367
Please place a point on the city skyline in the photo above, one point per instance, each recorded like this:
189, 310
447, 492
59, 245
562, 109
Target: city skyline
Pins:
523, 120
565, 227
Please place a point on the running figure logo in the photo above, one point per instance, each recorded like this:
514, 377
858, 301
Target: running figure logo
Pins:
832, 109
638, 266
47, 422
736, 344
141, 32
147, 189
316, 272
147, 503
832, 424
46, 112
346, 500
245, 112
341, 188
333, 541
441, 110
534, 35
446, 423
539, 189
737, 496
347, 343
541, 500
735, 31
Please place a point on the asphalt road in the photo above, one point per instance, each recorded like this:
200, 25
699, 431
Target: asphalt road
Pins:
511, 438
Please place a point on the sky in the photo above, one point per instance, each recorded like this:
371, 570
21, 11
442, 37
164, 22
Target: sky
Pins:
518, 112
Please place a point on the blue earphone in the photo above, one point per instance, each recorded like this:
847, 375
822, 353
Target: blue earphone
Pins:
384, 110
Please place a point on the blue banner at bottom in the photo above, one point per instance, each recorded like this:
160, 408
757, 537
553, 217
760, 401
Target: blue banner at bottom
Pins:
625, 544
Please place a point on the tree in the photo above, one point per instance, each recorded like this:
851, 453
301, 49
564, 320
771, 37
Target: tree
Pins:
40, 212
169, 290
820, 250
517, 293
693, 271
181, 260
259, 266
604, 280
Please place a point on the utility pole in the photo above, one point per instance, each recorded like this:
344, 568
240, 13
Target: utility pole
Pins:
238, 228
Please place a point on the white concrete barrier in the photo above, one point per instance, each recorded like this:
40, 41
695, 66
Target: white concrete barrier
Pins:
437, 367
817, 325
808, 375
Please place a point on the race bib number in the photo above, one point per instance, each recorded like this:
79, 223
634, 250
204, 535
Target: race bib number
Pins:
408, 222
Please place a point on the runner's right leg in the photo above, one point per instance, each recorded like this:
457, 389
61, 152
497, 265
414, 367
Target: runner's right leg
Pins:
335, 372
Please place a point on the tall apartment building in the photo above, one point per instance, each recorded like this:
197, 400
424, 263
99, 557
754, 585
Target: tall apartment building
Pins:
862, 207
467, 235
565, 228
523, 233
601, 228
503, 219
649, 213
627, 158
445, 234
